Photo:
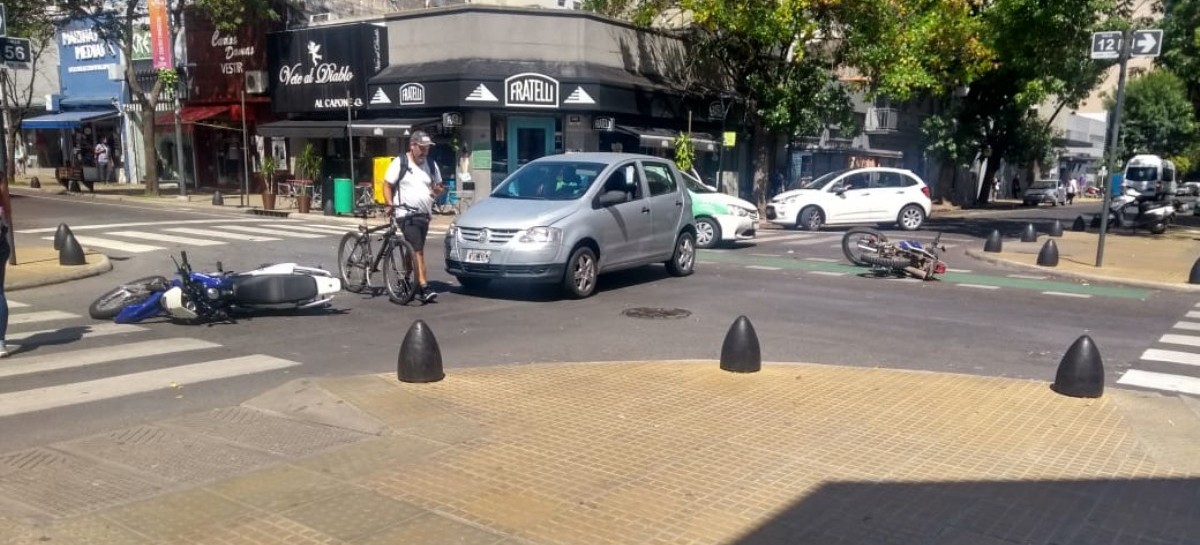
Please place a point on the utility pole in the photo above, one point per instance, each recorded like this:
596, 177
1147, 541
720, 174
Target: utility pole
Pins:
5, 123
245, 153
175, 30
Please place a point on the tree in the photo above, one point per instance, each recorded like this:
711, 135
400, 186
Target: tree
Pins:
1158, 118
1040, 55
26, 19
1181, 44
782, 58
119, 22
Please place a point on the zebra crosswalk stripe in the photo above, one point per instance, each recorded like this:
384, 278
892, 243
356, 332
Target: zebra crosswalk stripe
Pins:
309, 229
1187, 340
52, 397
16, 304
97, 242
1161, 381
1171, 356
77, 228
43, 316
93, 356
73, 333
272, 232
165, 238
222, 234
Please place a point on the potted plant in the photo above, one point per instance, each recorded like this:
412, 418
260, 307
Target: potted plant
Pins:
308, 167
268, 168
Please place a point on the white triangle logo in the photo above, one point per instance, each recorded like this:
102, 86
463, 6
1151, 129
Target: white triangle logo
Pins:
482, 94
579, 96
380, 97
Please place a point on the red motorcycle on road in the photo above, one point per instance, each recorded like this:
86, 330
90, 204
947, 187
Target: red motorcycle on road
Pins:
868, 247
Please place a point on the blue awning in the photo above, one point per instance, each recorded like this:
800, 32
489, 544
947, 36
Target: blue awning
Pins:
66, 120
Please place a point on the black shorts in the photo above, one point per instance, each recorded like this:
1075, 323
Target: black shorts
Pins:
415, 228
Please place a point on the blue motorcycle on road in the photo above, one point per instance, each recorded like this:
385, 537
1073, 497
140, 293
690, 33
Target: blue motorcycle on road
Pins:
194, 297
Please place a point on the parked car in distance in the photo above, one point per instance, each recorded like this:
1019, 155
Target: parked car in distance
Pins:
861, 195
568, 218
720, 218
1154, 178
1050, 191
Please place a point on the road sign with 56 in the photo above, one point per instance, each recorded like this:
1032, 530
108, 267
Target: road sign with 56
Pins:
14, 52
1144, 43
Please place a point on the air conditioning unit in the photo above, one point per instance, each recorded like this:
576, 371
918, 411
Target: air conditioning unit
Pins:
116, 72
318, 18
256, 82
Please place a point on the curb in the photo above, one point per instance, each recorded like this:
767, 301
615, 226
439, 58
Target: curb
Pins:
65, 274
1186, 288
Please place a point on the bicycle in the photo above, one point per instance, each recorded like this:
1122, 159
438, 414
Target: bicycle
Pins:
358, 261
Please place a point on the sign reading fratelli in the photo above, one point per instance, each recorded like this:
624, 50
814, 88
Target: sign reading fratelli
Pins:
325, 68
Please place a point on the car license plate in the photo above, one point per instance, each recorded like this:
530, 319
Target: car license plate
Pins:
479, 256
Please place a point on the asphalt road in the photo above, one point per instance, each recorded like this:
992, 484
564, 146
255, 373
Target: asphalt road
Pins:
803, 299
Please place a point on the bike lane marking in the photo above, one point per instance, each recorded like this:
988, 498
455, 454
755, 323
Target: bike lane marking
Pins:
1029, 284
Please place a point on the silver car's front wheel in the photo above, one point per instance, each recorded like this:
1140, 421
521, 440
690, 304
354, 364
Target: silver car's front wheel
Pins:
579, 280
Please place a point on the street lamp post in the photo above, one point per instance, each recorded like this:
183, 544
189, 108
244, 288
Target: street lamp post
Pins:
245, 153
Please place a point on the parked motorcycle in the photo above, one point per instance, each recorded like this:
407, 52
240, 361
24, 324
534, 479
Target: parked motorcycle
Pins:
201, 297
868, 247
1131, 210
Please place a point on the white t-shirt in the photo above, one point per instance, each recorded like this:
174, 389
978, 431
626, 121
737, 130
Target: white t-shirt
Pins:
415, 187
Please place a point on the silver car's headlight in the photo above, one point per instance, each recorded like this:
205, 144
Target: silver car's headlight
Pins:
452, 231
540, 235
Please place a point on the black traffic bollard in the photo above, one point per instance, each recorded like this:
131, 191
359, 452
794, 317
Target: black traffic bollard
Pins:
218, 199
994, 243
1081, 371
71, 252
1029, 234
420, 358
1194, 277
1048, 257
740, 353
1056, 229
60, 235
1080, 224
35, 183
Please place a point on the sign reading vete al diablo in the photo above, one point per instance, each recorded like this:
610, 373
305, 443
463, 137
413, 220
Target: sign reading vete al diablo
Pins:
325, 68
531, 90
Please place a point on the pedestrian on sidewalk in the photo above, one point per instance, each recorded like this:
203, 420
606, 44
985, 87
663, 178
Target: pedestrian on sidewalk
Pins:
1072, 189
5, 253
1016, 187
103, 160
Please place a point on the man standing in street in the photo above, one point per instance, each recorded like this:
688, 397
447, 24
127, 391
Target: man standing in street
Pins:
103, 164
411, 184
1072, 189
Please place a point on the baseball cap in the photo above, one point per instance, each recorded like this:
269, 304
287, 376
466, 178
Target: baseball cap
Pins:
421, 139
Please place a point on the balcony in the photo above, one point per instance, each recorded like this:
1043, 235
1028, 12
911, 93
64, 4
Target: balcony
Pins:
881, 120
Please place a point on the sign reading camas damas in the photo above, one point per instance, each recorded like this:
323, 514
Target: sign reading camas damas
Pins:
531, 90
232, 51
324, 68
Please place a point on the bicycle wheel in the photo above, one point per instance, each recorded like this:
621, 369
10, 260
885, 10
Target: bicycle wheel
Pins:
354, 256
398, 272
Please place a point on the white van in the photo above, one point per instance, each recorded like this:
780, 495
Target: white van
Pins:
1151, 176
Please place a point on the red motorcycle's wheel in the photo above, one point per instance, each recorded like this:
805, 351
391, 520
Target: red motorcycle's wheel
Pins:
861, 241
896, 263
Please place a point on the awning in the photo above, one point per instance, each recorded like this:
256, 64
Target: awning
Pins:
297, 128
67, 120
190, 114
388, 127
665, 138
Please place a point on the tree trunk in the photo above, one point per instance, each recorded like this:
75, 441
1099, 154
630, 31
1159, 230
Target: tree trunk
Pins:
989, 174
762, 166
150, 154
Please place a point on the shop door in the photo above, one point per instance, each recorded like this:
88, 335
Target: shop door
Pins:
528, 139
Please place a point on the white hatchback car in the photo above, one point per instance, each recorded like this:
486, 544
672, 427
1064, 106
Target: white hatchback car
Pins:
861, 195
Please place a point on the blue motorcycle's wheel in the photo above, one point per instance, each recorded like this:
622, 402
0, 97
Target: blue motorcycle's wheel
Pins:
107, 306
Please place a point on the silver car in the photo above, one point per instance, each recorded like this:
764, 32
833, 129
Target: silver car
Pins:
568, 218
1046, 191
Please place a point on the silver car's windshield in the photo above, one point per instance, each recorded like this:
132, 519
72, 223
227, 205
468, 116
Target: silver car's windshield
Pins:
1045, 184
550, 181
821, 181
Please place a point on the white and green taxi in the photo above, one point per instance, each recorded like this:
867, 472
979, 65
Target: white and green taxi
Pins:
720, 218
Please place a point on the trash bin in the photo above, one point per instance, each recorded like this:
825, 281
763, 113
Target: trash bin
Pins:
343, 196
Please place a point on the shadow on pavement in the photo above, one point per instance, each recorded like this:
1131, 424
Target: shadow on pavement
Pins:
1068, 512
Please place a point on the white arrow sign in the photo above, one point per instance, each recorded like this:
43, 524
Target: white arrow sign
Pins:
1146, 43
